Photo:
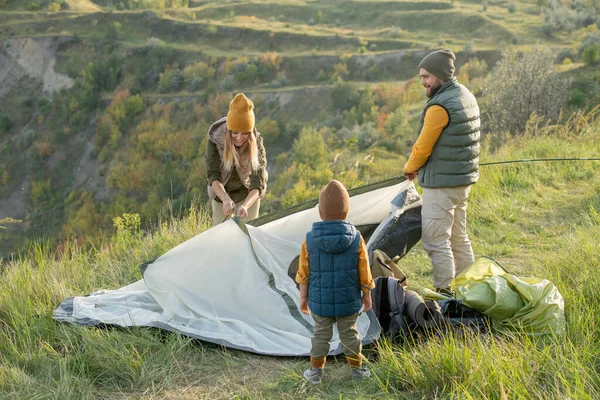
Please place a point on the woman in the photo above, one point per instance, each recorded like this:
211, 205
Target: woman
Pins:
236, 163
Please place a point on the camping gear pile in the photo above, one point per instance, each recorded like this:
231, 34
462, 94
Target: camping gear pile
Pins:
487, 297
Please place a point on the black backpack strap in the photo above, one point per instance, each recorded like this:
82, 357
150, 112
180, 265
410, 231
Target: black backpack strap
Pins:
396, 300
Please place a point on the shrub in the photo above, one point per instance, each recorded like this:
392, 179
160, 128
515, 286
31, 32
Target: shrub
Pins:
524, 84
564, 54
34, 6
474, 68
345, 96
589, 51
577, 98
134, 105
5, 123
512, 7
154, 42
170, 80
558, 17
227, 83
395, 32
591, 54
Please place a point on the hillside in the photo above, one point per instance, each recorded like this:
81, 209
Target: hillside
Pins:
104, 104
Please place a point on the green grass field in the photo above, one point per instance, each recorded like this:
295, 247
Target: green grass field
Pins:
537, 219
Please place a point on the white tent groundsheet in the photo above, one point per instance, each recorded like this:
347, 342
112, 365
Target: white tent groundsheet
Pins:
230, 285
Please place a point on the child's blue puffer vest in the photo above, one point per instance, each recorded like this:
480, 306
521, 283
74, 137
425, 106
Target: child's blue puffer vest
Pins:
334, 288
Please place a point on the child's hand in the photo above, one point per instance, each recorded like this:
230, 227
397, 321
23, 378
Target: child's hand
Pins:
366, 301
304, 306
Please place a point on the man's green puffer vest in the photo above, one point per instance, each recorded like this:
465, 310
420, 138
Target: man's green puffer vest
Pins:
454, 160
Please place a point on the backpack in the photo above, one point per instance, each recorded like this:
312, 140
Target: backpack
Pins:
383, 265
388, 305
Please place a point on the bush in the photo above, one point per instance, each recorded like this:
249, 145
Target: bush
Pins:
558, 17
512, 7
228, 83
475, 68
577, 98
345, 96
34, 6
589, 51
565, 54
170, 80
524, 84
591, 54
5, 123
134, 105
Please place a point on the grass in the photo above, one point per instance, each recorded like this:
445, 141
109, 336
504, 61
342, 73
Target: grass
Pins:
537, 219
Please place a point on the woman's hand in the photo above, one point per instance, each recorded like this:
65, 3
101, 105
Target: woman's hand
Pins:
242, 212
228, 206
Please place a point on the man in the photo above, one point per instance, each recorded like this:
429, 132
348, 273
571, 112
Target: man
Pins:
445, 158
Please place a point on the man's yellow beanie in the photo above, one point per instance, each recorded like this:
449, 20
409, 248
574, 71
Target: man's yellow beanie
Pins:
240, 117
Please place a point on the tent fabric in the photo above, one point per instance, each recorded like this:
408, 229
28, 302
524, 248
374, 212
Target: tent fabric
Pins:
229, 285
513, 303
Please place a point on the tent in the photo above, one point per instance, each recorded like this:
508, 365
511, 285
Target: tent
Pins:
231, 284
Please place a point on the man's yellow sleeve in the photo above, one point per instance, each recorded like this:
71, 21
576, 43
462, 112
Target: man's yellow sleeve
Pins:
303, 269
436, 119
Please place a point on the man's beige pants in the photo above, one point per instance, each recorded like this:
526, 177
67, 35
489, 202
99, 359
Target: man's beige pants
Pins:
218, 216
444, 232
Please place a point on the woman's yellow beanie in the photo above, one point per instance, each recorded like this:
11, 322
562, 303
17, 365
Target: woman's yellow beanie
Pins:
240, 117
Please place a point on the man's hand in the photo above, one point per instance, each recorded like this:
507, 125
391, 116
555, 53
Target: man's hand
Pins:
304, 306
410, 175
366, 301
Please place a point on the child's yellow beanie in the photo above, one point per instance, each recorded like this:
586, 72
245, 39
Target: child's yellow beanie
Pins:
240, 117
334, 202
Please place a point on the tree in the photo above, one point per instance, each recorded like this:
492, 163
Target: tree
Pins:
524, 84
310, 149
269, 130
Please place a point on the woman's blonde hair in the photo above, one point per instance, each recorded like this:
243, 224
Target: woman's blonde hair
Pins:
231, 157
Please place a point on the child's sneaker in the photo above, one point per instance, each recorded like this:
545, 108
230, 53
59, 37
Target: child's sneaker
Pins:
359, 373
313, 375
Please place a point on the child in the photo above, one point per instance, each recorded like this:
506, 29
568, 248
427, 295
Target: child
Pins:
333, 270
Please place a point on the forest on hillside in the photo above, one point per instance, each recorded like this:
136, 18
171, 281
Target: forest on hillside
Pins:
139, 83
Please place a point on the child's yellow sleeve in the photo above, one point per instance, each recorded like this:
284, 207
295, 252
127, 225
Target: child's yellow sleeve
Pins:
303, 268
364, 270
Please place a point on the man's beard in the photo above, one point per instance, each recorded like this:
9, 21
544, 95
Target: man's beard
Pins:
434, 90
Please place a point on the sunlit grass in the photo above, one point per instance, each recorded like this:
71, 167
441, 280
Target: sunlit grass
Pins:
536, 219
